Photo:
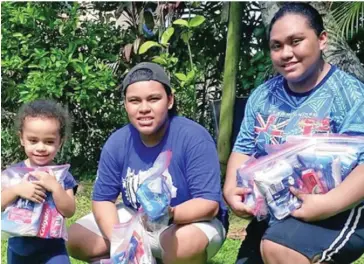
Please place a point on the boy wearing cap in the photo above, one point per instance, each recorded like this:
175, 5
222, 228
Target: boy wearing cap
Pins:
198, 221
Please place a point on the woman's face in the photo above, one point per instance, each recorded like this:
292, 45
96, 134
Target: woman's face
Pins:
147, 105
295, 48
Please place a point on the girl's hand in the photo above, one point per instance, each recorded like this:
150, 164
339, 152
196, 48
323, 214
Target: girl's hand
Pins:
30, 191
47, 180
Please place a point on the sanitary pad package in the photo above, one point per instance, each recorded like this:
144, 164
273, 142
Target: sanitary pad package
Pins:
26, 218
311, 164
130, 243
156, 191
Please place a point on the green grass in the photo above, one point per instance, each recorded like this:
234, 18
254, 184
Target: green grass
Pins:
226, 255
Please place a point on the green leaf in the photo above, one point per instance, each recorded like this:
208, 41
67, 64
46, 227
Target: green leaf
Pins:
190, 76
259, 32
186, 36
181, 76
167, 35
18, 35
181, 22
159, 60
258, 56
147, 45
196, 21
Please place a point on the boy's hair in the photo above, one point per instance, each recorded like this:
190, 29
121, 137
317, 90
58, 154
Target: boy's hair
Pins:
313, 17
45, 108
146, 74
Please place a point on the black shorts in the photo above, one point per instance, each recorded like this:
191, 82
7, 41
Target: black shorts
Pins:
339, 239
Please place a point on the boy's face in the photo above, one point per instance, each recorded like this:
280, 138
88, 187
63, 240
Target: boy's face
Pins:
41, 139
147, 105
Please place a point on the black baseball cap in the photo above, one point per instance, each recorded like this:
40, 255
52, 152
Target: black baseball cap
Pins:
157, 74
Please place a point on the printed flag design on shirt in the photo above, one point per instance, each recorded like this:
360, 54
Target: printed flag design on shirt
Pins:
310, 126
271, 128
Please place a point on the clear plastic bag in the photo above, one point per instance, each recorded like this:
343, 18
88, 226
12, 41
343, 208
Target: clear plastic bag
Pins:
130, 243
26, 218
155, 193
313, 164
254, 200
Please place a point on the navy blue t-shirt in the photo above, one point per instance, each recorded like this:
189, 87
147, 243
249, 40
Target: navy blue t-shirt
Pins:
26, 246
194, 168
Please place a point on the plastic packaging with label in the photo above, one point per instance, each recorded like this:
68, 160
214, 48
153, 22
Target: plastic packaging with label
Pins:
130, 243
26, 218
313, 165
155, 193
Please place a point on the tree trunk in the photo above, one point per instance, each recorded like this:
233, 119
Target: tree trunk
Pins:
229, 83
338, 51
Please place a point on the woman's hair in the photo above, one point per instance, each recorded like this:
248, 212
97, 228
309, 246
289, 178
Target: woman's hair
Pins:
45, 108
143, 74
313, 17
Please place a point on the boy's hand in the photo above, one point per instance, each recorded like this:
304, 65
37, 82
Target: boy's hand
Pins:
30, 191
47, 180
314, 207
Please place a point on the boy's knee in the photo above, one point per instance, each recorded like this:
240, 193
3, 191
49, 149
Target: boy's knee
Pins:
82, 244
186, 244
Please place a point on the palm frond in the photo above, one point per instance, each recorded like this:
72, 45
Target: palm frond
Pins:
349, 17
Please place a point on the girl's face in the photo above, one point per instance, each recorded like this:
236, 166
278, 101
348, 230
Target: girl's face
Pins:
41, 139
295, 48
147, 105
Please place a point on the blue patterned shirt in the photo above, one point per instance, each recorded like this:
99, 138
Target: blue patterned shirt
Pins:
273, 112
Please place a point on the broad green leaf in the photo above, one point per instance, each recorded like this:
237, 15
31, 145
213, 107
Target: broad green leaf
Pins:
159, 60
196, 21
181, 22
190, 76
181, 76
186, 36
18, 35
167, 35
147, 45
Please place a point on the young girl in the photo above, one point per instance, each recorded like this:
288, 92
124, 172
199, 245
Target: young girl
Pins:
198, 216
309, 96
42, 127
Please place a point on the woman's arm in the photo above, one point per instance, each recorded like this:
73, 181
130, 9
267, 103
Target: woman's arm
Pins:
349, 192
234, 196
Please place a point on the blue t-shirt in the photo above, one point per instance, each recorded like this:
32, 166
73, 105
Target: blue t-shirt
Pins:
273, 112
26, 246
194, 168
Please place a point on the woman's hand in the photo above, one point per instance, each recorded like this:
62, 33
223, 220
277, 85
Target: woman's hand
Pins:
235, 199
30, 191
47, 180
314, 207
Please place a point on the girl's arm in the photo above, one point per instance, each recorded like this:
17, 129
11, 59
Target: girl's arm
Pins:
8, 196
64, 201
24, 189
